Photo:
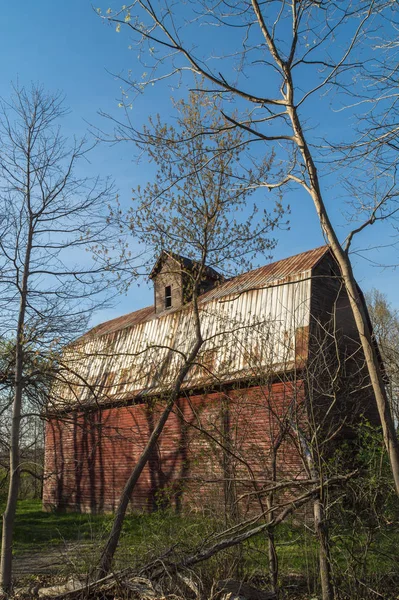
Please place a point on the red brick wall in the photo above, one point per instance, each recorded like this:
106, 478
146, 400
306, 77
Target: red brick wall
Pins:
209, 441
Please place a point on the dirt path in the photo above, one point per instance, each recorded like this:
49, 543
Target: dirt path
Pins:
64, 558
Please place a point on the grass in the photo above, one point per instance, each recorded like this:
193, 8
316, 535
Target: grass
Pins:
35, 528
143, 534
147, 536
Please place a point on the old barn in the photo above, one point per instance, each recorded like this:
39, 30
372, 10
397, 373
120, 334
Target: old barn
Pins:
280, 366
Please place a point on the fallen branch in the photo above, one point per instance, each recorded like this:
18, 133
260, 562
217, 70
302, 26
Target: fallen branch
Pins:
228, 542
159, 567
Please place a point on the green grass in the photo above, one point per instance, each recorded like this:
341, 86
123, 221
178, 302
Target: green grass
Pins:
35, 528
142, 535
146, 536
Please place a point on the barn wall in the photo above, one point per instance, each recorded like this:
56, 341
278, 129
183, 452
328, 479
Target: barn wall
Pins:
337, 378
329, 301
207, 442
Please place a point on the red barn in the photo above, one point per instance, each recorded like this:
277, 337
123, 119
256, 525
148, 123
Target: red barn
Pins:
281, 363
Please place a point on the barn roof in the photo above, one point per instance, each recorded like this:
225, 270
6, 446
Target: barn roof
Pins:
185, 263
279, 271
254, 325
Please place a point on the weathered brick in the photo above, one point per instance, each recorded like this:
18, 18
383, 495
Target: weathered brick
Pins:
208, 440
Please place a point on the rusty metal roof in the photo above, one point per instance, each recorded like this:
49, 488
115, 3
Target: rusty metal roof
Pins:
279, 271
260, 325
129, 320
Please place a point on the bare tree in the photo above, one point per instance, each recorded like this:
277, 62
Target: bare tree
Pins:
281, 56
49, 218
191, 208
38, 375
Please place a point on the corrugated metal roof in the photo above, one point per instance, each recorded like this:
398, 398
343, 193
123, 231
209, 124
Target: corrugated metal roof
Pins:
263, 330
248, 335
129, 320
278, 271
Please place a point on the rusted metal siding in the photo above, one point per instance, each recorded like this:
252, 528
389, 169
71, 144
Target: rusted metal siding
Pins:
247, 333
273, 274
277, 273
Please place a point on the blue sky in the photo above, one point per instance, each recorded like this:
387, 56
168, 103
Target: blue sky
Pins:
66, 47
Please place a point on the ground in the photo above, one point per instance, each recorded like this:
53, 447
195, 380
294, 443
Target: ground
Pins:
50, 547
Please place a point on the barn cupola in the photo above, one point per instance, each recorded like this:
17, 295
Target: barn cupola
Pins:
173, 277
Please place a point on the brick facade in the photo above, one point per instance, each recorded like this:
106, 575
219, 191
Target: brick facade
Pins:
208, 441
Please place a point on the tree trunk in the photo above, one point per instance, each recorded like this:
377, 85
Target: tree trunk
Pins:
9, 513
318, 515
313, 188
272, 554
356, 303
273, 558
113, 539
15, 474
231, 512
324, 550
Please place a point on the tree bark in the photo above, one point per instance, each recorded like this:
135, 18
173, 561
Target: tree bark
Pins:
13, 489
113, 539
356, 303
324, 550
272, 554
15, 473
